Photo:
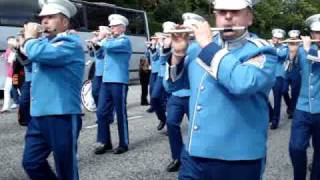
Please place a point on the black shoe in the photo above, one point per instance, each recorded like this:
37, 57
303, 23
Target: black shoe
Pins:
161, 125
290, 116
150, 110
102, 148
173, 166
273, 126
120, 150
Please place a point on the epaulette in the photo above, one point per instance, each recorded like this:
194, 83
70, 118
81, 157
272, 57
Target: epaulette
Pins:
259, 42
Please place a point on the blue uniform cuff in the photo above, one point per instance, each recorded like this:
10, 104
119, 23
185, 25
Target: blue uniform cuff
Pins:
313, 55
313, 52
208, 52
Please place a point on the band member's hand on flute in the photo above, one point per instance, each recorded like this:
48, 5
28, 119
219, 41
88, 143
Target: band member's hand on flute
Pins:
202, 33
32, 30
179, 47
167, 42
306, 42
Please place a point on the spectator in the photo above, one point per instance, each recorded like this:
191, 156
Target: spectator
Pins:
9, 57
144, 74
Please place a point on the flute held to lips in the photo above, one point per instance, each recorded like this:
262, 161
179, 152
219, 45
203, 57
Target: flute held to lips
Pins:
298, 40
223, 29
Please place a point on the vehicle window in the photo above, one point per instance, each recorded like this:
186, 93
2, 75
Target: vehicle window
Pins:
97, 16
136, 22
78, 22
14, 14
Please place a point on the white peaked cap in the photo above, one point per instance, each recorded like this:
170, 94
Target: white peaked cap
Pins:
117, 19
278, 33
190, 19
104, 28
233, 4
313, 22
294, 33
51, 7
167, 26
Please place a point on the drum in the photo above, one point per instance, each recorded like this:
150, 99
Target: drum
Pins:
86, 96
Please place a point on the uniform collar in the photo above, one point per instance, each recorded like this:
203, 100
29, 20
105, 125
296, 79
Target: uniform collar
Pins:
235, 43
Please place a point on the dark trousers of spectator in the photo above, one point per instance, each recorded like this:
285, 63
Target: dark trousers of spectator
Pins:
144, 82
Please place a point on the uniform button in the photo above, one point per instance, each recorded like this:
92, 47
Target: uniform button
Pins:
202, 88
199, 108
195, 128
32, 99
311, 74
311, 87
312, 99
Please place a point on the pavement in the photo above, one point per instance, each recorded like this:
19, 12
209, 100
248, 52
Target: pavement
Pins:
148, 152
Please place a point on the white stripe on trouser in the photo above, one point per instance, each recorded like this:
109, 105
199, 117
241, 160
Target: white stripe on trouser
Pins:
124, 114
7, 96
74, 127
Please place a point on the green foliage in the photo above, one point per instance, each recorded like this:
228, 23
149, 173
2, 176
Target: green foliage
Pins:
268, 14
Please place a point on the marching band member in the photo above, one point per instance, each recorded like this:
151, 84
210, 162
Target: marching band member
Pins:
178, 102
277, 89
154, 69
229, 82
9, 57
306, 119
113, 94
292, 76
57, 75
158, 94
93, 46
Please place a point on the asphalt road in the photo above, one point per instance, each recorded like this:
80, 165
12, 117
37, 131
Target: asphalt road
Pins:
148, 152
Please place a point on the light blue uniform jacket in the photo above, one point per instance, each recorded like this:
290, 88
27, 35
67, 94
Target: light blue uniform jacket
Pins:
228, 102
99, 63
178, 85
28, 72
117, 53
57, 74
281, 52
154, 60
309, 98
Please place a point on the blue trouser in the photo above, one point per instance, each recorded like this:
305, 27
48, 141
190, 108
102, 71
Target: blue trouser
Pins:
158, 98
304, 126
177, 107
152, 81
96, 84
196, 168
57, 134
294, 81
15, 95
112, 96
24, 102
277, 95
